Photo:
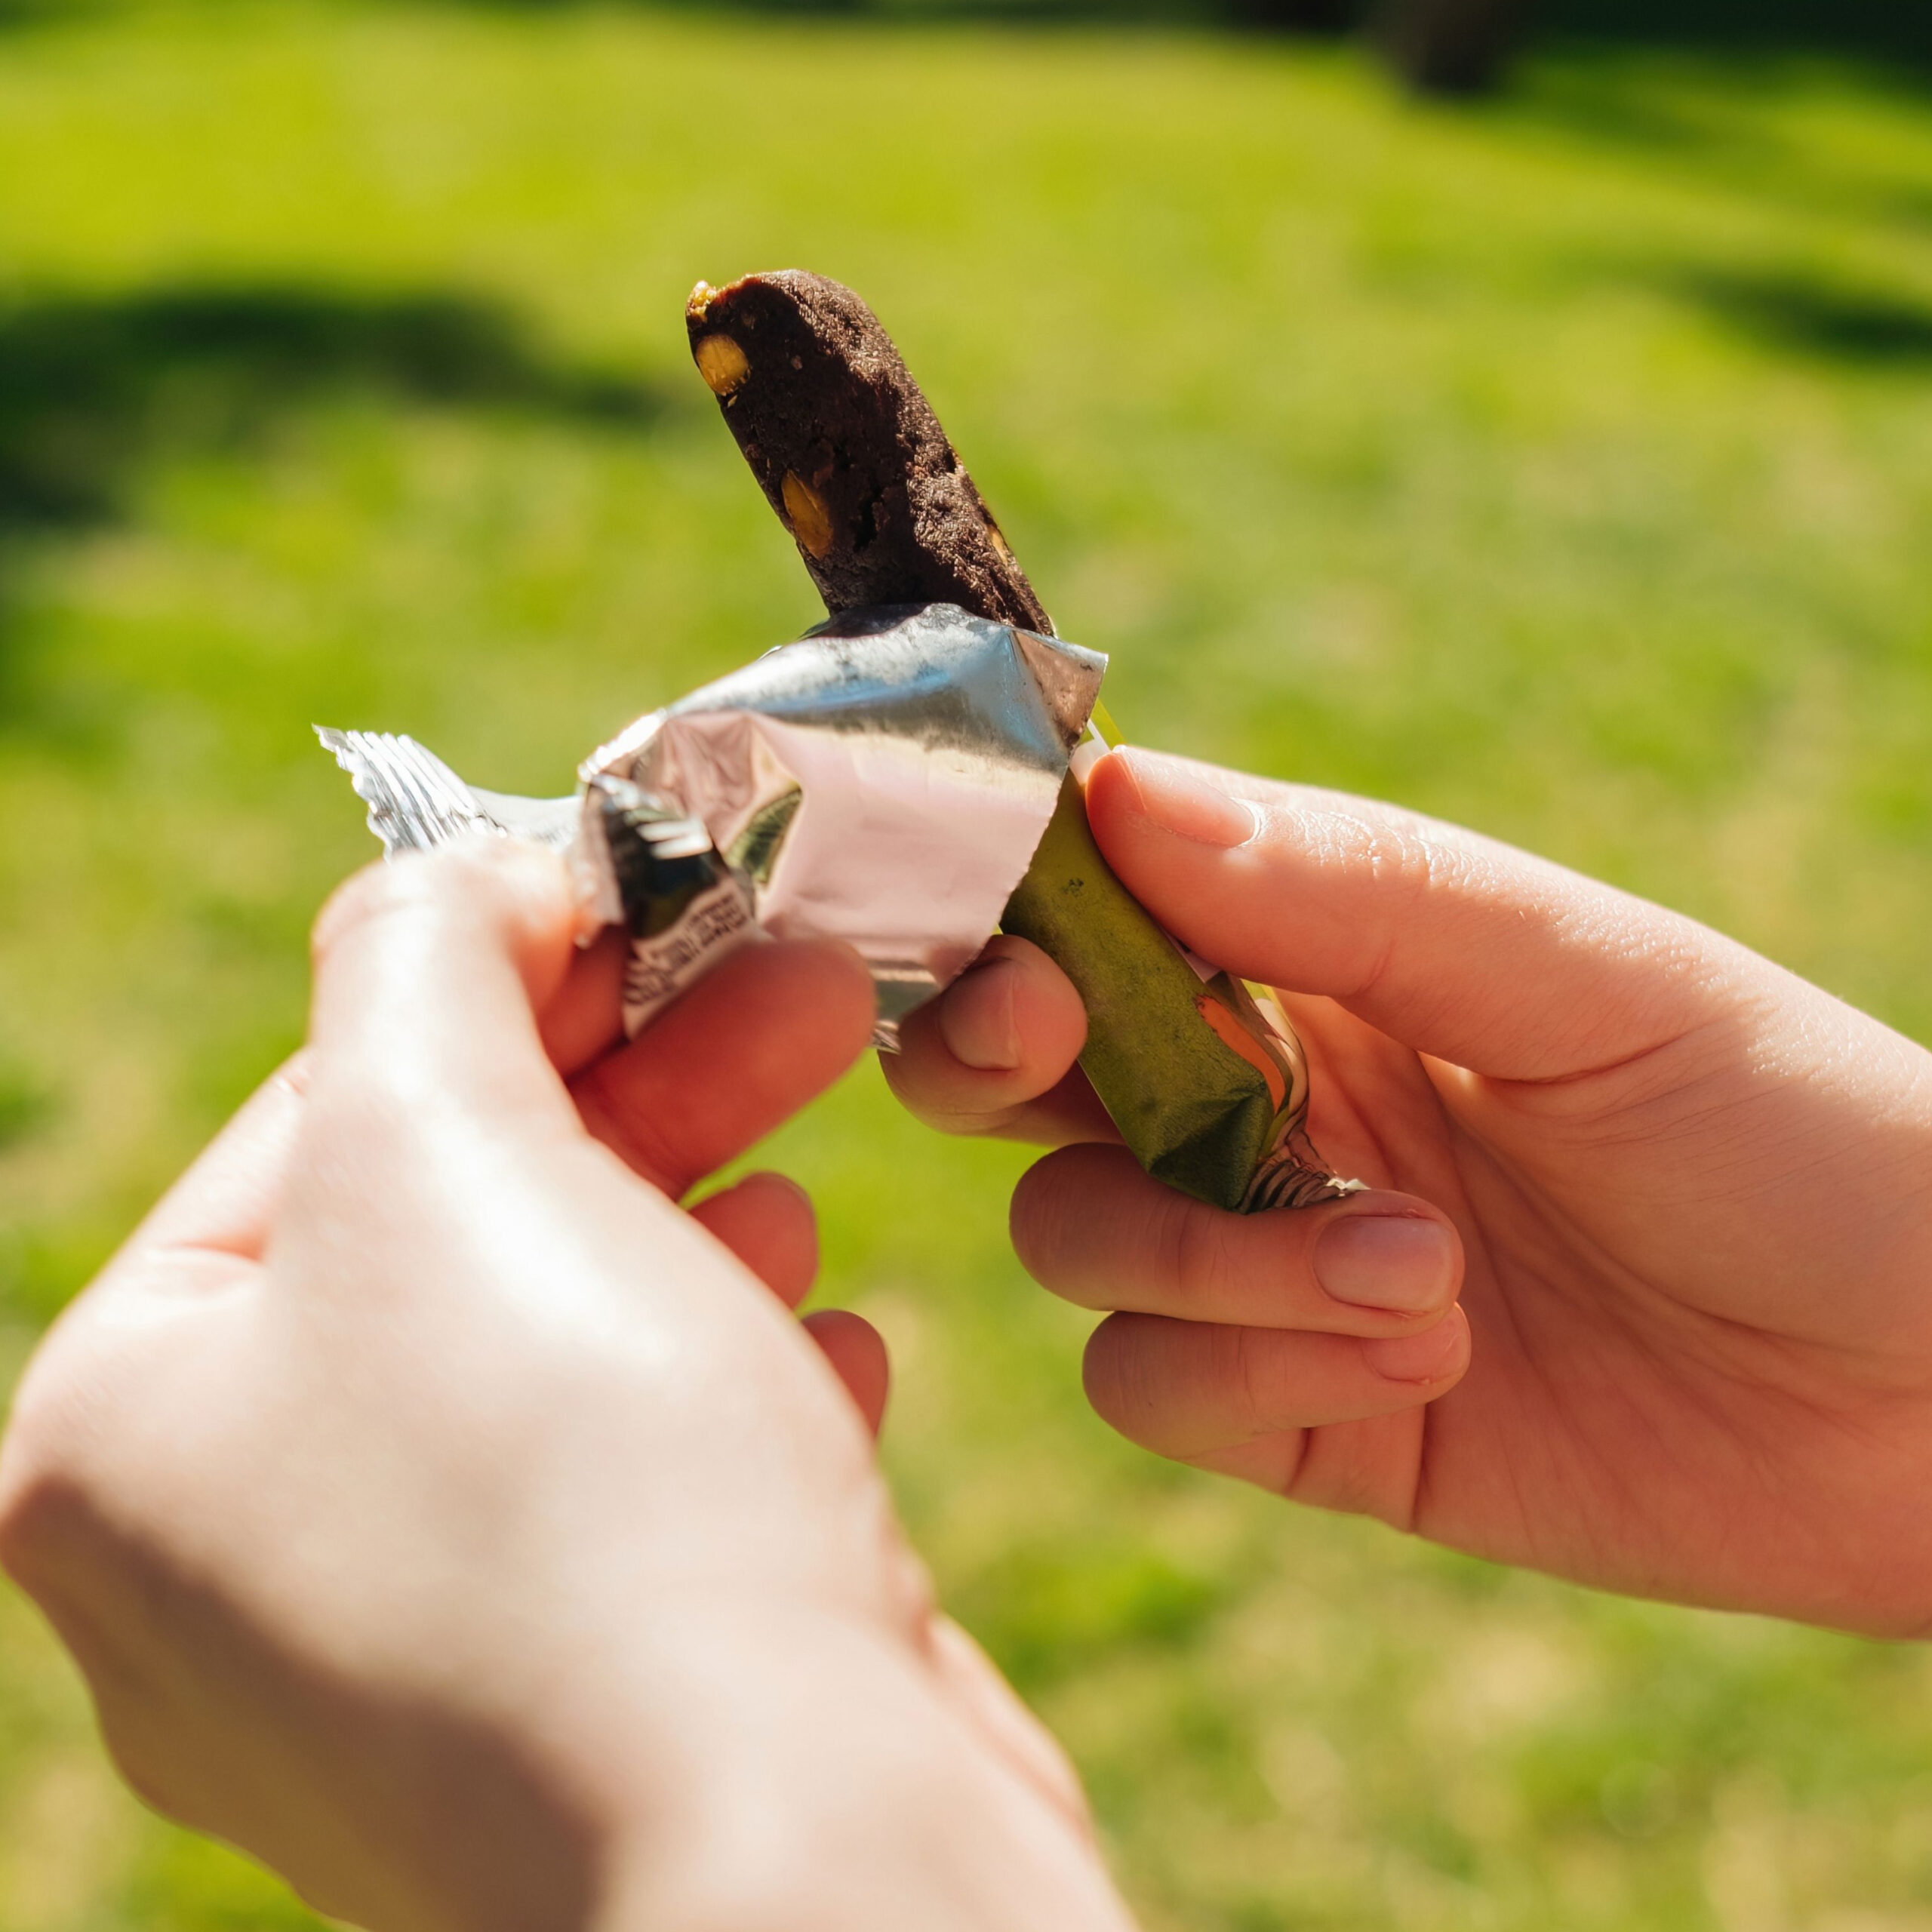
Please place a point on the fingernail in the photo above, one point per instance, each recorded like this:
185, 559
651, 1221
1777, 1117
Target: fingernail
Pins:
1180, 801
976, 1018
1424, 1358
1404, 1262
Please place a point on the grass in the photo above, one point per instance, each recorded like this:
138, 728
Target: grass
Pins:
1564, 468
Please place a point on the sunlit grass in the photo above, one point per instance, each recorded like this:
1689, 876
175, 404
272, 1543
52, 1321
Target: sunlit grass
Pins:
1564, 468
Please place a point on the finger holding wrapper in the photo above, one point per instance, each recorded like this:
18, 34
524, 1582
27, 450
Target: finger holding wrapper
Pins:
884, 783
1201, 1073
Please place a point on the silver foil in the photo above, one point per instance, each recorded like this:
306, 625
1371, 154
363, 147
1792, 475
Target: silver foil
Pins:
884, 781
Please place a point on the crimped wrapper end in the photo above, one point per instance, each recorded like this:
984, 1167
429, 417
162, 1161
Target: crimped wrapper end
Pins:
415, 800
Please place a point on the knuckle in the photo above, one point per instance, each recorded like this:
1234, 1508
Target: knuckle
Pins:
86, 1440
39, 1506
45, 1494
1220, 1265
1251, 1379
1398, 866
1195, 1239
1402, 859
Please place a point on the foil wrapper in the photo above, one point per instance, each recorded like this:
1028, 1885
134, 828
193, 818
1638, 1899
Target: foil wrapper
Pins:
884, 781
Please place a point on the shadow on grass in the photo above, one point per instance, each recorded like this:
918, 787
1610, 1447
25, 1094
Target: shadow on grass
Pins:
1713, 113
1870, 328
91, 386
1304, 16
17, 14
1896, 33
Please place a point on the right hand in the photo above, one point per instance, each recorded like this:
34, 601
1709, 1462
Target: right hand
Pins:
1641, 1294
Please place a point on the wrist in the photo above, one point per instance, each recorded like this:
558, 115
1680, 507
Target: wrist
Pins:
817, 1778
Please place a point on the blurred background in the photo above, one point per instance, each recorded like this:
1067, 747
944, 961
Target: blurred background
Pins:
1523, 413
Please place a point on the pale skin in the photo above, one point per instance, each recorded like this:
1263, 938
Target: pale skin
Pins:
1644, 1296
440, 1513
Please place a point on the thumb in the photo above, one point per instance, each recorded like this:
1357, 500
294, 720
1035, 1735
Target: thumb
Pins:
1459, 947
429, 972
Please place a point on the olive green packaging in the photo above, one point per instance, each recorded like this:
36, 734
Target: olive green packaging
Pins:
1206, 1082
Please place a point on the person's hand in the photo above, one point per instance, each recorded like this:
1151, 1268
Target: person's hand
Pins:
439, 1512
1686, 1200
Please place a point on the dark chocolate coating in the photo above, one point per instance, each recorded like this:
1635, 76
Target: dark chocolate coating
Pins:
881, 509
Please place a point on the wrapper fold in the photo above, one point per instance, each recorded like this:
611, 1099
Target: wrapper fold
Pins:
884, 781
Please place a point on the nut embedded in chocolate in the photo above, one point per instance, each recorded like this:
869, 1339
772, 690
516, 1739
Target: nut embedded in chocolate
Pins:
721, 362
810, 520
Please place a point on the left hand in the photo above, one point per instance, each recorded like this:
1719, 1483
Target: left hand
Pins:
439, 1512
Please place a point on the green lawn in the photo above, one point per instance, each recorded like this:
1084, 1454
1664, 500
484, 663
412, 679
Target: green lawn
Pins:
1563, 467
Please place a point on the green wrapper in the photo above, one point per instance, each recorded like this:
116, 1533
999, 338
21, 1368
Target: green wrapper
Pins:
1205, 1081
